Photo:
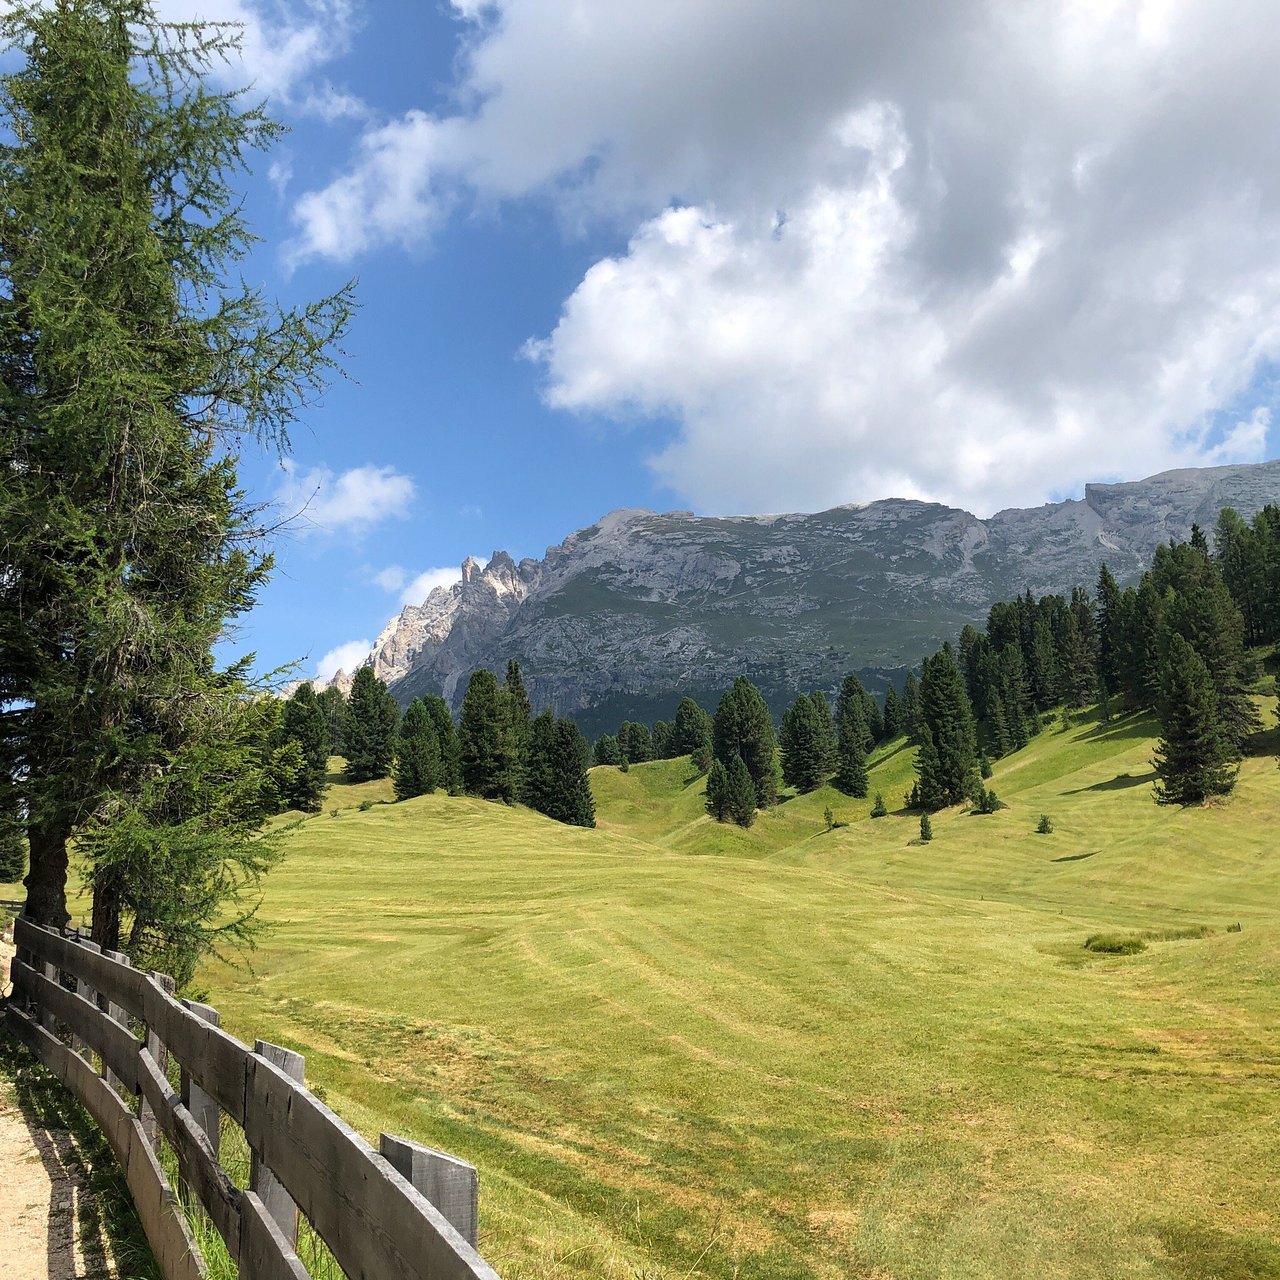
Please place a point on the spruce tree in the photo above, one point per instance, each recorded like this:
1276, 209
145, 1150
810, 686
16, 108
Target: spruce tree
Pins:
854, 735
717, 802
519, 719
691, 730
334, 706
488, 763
826, 728
540, 780
450, 778
911, 722
740, 793
370, 733
804, 746
1194, 757
131, 374
13, 852
570, 757
607, 750
417, 767
302, 720
744, 727
1111, 628
947, 764
892, 714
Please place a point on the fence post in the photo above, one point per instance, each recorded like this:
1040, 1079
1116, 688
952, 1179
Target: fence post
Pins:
157, 1050
54, 974
79, 1046
116, 1014
452, 1185
262, 1182
204, 1110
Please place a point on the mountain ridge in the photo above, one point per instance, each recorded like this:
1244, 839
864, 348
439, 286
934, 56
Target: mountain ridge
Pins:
631, 613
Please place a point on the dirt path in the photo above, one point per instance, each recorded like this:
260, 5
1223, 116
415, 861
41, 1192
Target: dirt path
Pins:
43, 1198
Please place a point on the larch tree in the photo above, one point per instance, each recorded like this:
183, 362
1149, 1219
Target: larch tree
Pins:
132, 372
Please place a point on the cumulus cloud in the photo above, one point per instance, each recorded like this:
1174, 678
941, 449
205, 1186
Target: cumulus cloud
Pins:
423, 584
326, 501
980, 257
344, 657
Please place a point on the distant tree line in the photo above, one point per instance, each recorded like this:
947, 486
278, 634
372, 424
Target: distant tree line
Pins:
498, 750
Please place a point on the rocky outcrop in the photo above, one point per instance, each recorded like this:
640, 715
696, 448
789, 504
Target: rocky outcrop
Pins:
629, 615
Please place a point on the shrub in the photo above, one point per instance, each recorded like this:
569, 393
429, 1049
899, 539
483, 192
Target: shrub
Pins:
829, 818
366, 805
879, 809
1235, 928
1115, 944
926, 827
1045, 826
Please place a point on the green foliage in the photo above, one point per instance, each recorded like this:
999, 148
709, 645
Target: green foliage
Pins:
854, 740
743, 727
892, 715
365, 805
300, 776
985, 801
1115, 944
370, 730
607, 750
740, 793
717, 794
805, 740
334, 706
131, 374
691, 730
1045, 826
450, 776
878, 807
947, 761
13, 853
1194, 758
926, 827
417, 769
490, 768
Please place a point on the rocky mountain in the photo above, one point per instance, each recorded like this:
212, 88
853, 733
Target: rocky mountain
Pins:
628, 616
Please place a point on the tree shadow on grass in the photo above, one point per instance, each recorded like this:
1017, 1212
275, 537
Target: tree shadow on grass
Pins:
1129, 728
1077, 857
1121, 782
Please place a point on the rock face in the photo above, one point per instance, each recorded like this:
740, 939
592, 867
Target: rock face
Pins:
628, 616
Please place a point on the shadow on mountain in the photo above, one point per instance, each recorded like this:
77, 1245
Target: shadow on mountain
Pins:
1121, 782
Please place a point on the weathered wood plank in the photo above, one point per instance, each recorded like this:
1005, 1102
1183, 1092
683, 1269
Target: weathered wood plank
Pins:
113, 1042
452, 1185
262, 1180
160, 1056
198, 1166
264, 1252
158, 1209
203, 1106
86, 992
120, 983
376, 1224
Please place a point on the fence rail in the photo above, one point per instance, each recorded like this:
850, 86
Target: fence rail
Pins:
107, 1031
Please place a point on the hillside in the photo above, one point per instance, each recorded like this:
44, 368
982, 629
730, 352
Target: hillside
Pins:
622, 619
676, 1049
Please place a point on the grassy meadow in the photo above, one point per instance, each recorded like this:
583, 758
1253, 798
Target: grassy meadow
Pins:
677, 1049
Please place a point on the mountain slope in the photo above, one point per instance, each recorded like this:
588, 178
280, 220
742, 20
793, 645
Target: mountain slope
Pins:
627, 616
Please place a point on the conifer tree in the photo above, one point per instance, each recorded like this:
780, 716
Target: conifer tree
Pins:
302, 720
1193, 758
691, 730
417, 766
911, 722
334, 706
606, 750
717, 803
519, 715
13, 851
947, 764
1111, 629
744, 727
804, 746
130, 372
370, 733
892, 714
540, 775
450, 777
851, 770
488, 762
571, 801
828, 754
740, 793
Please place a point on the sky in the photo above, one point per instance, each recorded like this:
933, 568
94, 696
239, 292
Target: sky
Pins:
735, 256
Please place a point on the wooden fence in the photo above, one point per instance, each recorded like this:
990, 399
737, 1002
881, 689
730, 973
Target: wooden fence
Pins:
108, 1031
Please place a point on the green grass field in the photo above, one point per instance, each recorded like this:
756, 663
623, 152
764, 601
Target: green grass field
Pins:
675, 1049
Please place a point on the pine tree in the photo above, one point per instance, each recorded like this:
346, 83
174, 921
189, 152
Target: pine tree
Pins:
826, 729
450, 752
540, 776
803, 746
892, 714
131, 372
13, 851
417, 767
519, 718
948, 758
302, 720
744, 727
370, 734
334, 706
691, 730
911, 722
1042, 667
1111, 629
717, 803
740, 793
570, 757
606, 750
1193, 759
926, 827
488, 762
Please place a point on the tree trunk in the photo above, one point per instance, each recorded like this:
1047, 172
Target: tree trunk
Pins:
106, 911
47, 877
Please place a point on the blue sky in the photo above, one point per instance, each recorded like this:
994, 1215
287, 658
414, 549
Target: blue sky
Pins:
735, 256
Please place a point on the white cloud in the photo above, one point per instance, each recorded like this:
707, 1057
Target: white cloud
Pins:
326, 501
392, 578
344, 657
416, 591
981, 257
